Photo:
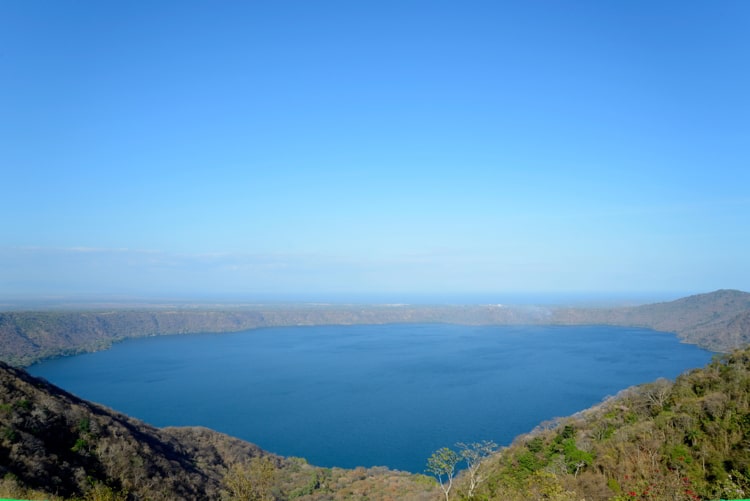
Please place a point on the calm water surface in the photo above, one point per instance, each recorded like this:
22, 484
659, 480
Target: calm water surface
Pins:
371, 395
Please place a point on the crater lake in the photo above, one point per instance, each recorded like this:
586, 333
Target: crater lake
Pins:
371, 395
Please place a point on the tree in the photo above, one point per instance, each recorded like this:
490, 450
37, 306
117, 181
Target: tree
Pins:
442, 464
101, 492
474, 454
657, 394
251, 481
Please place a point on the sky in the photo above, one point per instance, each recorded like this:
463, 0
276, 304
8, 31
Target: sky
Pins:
331, 149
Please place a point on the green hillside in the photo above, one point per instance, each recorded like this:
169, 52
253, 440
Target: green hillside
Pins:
688, 440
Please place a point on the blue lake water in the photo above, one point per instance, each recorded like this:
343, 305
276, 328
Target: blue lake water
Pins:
371, 395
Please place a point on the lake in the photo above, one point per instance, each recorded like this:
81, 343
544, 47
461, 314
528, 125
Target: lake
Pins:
371, 395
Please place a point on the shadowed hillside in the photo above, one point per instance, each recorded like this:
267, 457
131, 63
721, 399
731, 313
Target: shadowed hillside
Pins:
57, 443
53, 444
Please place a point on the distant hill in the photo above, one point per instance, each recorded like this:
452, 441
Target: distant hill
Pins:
29, 336
718, 321
56, 445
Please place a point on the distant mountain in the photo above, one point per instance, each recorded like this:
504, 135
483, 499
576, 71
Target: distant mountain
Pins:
55, 445
718, 321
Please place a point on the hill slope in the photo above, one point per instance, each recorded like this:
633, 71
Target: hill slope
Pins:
719, 321
55, 443
687, 440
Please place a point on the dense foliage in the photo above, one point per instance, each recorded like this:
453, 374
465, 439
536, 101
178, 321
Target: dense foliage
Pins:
687, 440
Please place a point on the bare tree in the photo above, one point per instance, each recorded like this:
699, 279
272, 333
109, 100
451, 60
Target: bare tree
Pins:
474, 454
657, 393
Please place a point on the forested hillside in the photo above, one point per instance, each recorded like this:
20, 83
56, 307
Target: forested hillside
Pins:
719, 321
688, 440
54, 445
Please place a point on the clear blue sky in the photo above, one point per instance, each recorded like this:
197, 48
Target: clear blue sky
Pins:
326, 148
